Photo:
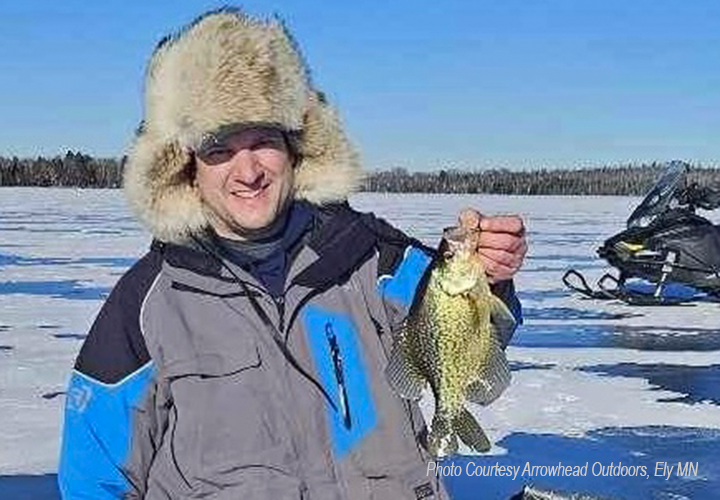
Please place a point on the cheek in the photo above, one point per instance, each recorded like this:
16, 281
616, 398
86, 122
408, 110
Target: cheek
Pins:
276, 163
208, 186
288, 180
207, 178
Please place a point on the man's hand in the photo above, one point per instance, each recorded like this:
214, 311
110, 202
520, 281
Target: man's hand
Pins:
501, 243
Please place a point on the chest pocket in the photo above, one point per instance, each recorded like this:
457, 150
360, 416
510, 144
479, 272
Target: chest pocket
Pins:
228, 422
235, 359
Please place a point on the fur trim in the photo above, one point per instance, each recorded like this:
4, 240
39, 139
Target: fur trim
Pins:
227, 68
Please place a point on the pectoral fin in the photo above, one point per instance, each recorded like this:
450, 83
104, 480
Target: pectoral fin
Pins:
502, 318
494, 377
403, 377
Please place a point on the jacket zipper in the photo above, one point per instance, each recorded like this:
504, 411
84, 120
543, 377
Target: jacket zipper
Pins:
275, 332
339, 375
280, 305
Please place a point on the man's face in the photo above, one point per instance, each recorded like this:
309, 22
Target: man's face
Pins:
245, 180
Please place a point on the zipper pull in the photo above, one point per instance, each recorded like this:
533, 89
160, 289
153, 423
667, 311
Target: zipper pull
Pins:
339, 375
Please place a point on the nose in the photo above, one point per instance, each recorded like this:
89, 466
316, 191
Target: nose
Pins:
246, 169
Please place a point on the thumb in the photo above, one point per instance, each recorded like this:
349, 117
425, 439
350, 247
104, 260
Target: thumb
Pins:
469, 218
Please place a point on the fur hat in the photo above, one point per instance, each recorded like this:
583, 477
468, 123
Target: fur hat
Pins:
227, 68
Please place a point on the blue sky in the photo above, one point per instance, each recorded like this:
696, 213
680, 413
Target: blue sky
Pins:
421, 85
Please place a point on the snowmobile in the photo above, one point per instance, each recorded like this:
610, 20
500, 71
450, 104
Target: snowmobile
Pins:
668, 254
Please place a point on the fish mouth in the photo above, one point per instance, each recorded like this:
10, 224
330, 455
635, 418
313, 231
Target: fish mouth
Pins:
457, 239
455, 233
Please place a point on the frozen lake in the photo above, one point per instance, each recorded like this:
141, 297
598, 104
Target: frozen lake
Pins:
594, 382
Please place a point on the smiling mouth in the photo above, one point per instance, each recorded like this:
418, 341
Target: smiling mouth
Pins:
250, 194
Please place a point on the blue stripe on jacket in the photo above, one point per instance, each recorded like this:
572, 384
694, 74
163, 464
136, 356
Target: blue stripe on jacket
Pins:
342, 369
402, 286
98, 433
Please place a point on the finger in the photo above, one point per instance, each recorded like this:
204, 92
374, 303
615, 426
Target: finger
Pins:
500, 241
498, 272
512, 224
503, 264
491, 257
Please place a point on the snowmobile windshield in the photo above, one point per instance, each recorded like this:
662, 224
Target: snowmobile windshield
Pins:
659, 197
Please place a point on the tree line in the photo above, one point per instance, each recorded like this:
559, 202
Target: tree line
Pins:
76, 169
73, 170
610, 180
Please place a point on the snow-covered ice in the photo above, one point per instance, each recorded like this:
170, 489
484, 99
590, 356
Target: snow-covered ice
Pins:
592, 381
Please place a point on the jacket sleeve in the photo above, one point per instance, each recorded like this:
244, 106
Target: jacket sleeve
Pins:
111, 428
401, 274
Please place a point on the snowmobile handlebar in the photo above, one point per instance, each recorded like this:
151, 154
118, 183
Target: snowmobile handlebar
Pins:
696, 196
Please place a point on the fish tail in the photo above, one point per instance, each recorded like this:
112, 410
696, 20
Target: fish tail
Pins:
469, 431
442, 441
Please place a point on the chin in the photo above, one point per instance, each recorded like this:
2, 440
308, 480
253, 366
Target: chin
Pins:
255, 224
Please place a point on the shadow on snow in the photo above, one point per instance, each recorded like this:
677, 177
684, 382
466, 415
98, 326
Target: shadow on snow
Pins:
601, 448
41, 487
643, 338
697, 383
19, 260
65, 289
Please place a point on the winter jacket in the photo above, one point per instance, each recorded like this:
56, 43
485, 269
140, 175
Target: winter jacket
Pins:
195, 383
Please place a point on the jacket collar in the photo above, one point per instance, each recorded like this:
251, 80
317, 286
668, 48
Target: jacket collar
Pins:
341, 241
337, 241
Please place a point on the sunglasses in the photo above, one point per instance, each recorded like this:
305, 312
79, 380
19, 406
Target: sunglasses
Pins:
222, 144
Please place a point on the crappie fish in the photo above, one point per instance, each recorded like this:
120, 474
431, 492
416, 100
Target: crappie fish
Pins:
449, 342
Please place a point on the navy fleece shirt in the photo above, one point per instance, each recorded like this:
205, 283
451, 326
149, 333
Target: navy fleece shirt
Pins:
267, 259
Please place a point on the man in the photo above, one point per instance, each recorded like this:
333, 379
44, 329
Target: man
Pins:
243, 356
